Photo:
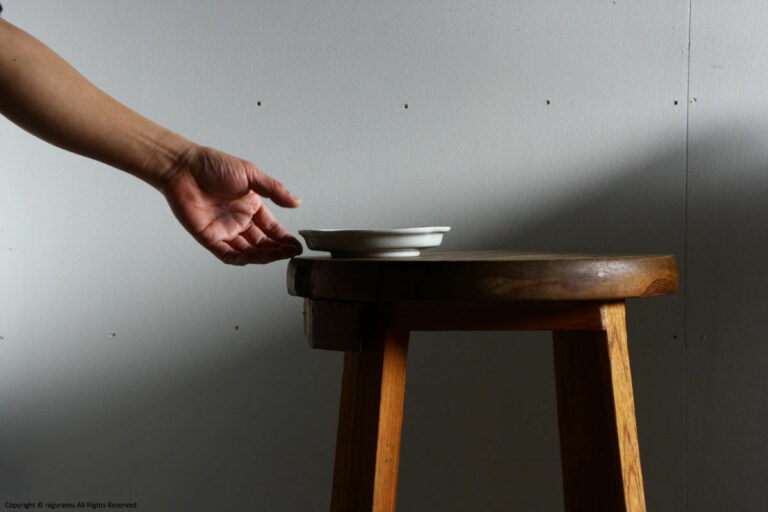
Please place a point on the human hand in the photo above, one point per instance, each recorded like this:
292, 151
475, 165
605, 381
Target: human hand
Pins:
218, 199
215, 196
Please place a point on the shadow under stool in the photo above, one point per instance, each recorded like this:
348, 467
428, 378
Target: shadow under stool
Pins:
367, 308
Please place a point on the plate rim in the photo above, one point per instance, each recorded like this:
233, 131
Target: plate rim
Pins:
422, 230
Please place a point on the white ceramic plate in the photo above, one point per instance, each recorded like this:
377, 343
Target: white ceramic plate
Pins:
374, 243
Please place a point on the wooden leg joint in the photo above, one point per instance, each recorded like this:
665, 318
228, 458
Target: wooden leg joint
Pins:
370, 423
339, 325
596, 412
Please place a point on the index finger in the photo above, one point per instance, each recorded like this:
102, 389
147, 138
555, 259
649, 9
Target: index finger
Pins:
269, 225
267, 186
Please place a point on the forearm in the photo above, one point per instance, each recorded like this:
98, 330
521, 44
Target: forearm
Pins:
46, 96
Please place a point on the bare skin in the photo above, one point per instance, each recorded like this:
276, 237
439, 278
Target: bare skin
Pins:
217, 197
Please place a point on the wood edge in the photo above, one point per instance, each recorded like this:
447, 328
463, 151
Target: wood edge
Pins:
290, 277
340, 325
305, 275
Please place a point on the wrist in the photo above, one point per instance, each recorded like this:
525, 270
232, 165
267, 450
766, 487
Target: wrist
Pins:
167, 154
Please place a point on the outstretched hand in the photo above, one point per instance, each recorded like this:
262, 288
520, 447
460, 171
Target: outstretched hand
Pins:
218, 199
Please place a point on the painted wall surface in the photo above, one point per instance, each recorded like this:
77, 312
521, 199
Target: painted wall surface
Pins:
727, 249
134, 366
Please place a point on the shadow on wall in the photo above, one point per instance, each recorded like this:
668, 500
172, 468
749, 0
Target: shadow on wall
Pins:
727, 353
480, 429
493, 442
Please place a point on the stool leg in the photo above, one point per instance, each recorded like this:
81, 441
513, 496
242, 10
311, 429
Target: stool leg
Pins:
370, 422
596, 412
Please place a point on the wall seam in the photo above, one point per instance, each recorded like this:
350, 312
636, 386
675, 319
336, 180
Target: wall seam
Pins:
685, 261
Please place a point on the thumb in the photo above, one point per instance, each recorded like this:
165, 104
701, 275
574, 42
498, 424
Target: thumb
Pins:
267, 186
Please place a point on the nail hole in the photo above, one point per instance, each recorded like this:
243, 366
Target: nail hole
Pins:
237, 327
674, 336
112, 334
675, 102
258, 103
548, 102
405, 106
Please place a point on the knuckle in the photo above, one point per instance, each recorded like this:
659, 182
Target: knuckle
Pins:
259, 179
272, 226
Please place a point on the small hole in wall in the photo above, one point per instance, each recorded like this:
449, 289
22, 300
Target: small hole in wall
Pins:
258, 103
237, 327
548, 102
674, 336
675, 102
113, 335
405, 106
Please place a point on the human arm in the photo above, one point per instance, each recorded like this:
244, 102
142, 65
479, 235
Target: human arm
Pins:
216, 197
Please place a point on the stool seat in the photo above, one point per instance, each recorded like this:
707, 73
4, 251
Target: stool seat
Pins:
484, 276
367, 308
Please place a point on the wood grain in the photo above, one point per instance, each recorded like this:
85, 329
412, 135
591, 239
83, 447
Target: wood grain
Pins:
483, 276
370, 423
335, 325
368, 307
339, 325
596, 415
489, 316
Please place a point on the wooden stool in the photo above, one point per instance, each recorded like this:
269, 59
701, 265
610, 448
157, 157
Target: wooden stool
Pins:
367, 307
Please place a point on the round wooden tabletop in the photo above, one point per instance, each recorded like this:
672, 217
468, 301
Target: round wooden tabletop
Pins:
483, 276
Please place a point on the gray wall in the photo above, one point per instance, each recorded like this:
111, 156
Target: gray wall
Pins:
134, 366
